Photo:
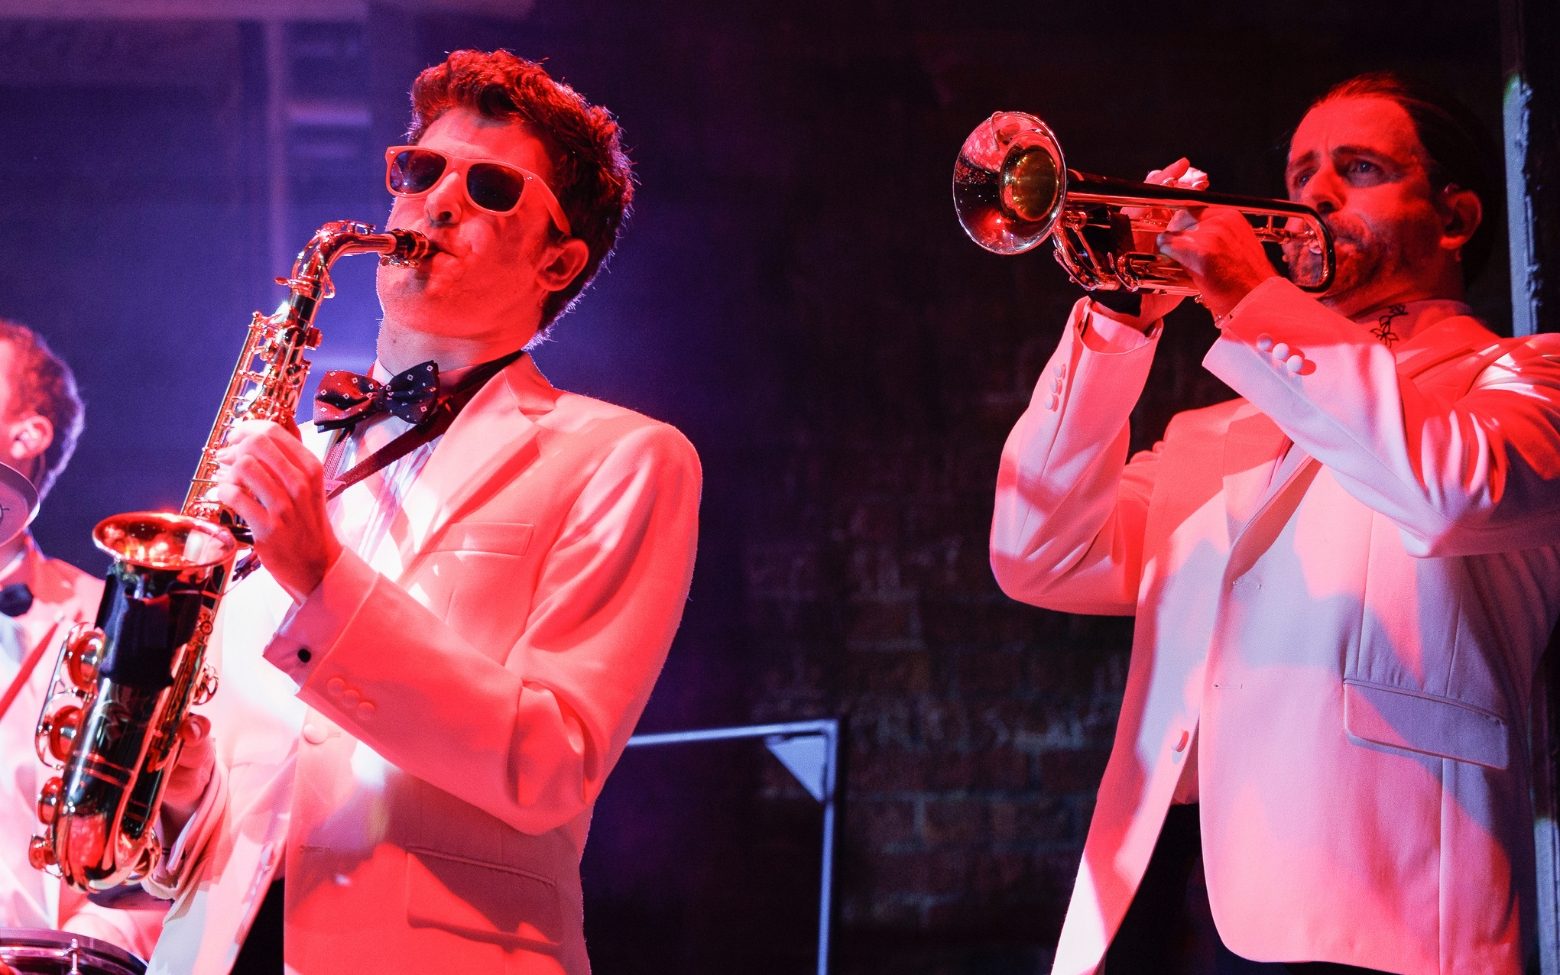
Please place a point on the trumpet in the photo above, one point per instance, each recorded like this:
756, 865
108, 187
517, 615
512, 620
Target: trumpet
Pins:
1012, 190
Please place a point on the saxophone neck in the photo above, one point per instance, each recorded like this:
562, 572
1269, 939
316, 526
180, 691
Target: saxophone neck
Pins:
310, 278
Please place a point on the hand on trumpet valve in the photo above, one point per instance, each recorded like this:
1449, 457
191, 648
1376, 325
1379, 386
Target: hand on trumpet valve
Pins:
1145, 223
1220, 252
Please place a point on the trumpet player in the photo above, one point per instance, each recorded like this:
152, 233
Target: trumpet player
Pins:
458, 621
41, 418
1342, 580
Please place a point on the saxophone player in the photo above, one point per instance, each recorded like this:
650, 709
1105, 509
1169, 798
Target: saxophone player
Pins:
41, 417
459, 620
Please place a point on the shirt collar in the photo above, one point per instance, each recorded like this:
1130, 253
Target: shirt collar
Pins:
446, 378
20, 567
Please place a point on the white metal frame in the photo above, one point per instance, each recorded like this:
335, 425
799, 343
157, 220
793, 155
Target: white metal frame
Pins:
810, 750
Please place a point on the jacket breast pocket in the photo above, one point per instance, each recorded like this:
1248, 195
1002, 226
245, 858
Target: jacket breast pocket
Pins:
1419, 722
492, 537
478, 577
483, 901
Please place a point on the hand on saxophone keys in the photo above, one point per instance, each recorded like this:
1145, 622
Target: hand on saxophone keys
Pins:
277, 486
190, 776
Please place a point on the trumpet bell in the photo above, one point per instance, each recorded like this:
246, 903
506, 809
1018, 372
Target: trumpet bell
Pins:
1009, 183
1012, 191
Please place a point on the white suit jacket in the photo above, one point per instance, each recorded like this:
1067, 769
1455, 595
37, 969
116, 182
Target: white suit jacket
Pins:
427, 732
1345, 635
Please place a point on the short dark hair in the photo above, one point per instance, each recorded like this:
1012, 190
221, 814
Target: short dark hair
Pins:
42, 384
592, 176
1459, 148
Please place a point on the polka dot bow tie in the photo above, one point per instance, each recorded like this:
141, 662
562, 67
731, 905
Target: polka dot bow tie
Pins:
346, 398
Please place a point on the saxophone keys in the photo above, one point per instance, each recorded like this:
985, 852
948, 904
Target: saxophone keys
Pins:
151, 854
205, 686
40, 853
84, 655
49, 800
56, 734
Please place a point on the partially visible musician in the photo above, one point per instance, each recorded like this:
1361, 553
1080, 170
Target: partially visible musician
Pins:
458, 622
1342, 581
41, 417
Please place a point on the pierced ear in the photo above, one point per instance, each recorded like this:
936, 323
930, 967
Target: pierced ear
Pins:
30, 437
568, 260
1461, 213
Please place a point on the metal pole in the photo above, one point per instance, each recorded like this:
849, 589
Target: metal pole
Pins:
823, 787
1530, 30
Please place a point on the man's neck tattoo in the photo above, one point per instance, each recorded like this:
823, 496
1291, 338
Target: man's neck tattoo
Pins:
1383, 329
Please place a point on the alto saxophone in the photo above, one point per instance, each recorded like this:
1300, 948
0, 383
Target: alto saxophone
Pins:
122, 688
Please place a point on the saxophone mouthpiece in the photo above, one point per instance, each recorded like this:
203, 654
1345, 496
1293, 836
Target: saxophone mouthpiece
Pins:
411, 249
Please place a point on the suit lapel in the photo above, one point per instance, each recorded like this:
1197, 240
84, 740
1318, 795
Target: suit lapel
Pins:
481, 445
1253, 446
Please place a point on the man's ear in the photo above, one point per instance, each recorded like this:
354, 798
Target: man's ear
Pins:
567, 261
1461, 213
28, 438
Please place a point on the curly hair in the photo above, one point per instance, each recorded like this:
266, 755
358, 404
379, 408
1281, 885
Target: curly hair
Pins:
1459, 148
42, 384
592, 176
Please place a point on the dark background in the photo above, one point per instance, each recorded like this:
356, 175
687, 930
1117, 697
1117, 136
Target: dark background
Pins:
795, 294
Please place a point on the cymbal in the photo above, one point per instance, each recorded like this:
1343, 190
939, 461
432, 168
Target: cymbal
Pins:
18, 502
